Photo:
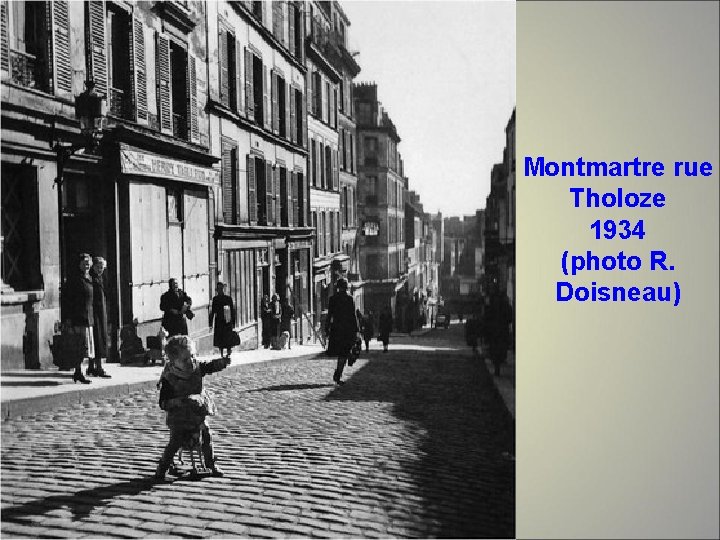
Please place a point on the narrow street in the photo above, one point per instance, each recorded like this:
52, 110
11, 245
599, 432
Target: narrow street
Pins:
417, 443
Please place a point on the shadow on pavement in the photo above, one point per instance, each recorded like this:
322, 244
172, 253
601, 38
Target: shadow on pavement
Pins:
465, 437
280, 387
80, 503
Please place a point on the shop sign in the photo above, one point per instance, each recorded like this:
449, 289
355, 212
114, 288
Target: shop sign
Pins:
133, 161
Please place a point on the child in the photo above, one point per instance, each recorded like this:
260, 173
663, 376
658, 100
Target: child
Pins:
186, 403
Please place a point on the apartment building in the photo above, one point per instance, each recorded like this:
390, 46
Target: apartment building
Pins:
137, 191
381, 209
258, 130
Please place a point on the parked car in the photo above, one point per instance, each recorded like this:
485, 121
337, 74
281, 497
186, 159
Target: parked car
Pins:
442, 319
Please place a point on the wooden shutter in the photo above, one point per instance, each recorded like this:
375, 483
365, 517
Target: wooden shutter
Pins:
224, 61
141, 112
310, 92
291, 27
60, 71
238, 75
333, 107
292, 131
226, 177
162, 65
294, 199
335, 173
192, 100
325, 93
98, 54
269, 217
252, 190
276, 194
303, 136
4, 38
249, 99
267, 119
275, 109
288, 99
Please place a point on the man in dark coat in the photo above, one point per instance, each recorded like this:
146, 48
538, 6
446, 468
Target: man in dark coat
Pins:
341, 326
175, 304
100, 332
497, 327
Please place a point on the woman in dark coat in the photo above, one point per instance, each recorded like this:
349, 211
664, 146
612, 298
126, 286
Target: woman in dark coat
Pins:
222, 312
497, 326
341, 327
368, 329
100, 332
77, 297
266, 320
385, 327
288, 316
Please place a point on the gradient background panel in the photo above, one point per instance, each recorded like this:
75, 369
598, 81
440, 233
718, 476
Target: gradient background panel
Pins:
617, 404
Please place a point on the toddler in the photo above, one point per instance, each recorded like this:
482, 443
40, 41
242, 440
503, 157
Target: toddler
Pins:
186, 402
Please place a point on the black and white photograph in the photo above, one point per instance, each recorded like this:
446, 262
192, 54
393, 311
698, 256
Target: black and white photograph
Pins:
258, 269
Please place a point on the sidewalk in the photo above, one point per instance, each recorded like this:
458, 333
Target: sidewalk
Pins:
505, 382
29, 391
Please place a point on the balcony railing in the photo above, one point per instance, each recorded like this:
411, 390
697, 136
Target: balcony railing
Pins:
180, 129
24, 68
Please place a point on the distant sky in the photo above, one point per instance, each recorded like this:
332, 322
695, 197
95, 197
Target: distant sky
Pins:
445, 72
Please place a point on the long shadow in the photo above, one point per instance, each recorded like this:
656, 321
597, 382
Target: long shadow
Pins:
465, 471
280, 387
80, 503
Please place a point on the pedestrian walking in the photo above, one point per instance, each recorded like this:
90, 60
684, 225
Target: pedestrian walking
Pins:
100, 331
77, 298
265, 319
497, 327
185, 401
275, 318
341, 326
222, 314
472, 331
368, 329
385, 327
175, 305
287, 319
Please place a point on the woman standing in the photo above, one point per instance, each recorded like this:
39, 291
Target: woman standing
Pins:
222, 313
288, 317
368, 329
100, 333
265, 319
78, 308
275, 317
341, 326
385, 327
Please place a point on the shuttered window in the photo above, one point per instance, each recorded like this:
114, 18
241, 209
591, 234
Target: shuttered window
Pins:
61, 68
294, 202
278, 22
252, 190
274, 93
285, 199
292, 105
141, 105
4, 38
301, 219
267, 121
223, 37
97, 54
229, 180
249, 86
269, 192
162, 68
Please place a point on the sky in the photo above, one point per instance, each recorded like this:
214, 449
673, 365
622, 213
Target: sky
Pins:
445, 72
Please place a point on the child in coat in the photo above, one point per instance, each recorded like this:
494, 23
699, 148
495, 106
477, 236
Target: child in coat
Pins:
186, 402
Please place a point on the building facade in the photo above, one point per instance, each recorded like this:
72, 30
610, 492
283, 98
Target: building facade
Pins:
142, 199
258, 132
381, 209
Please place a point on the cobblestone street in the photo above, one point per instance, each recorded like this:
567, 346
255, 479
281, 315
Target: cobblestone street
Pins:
416, 444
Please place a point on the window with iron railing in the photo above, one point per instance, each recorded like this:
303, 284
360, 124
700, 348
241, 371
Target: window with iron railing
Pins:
29, 39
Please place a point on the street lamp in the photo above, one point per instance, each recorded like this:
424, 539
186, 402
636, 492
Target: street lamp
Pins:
90, 111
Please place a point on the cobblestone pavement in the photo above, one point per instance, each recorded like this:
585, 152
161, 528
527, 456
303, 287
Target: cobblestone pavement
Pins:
416, 444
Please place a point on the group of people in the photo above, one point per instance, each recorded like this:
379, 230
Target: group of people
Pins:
84, 307
277, 321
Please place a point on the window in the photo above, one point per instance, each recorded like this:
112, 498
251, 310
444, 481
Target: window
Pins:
119, 66
258, 89
174, 205
317, 94
365, 113
299, 118
278, 21
228, 68
352, 153
29, 63
312, 158
229, 180
327, 104
179, 71
370, 149
285, 198
328, 168
345, 206
317, 235
20, 227
282, 107
332, 232
372, 190
301, 207
257, 10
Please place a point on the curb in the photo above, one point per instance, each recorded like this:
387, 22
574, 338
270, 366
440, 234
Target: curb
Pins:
25, 406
